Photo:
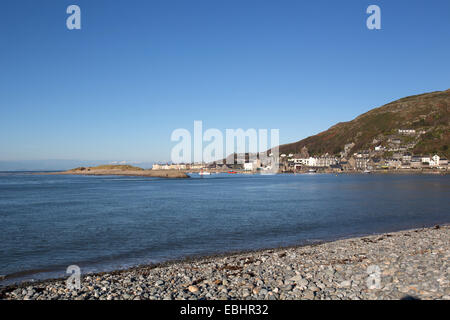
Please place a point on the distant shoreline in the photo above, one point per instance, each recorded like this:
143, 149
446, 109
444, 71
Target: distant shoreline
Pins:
119, 172
185, 173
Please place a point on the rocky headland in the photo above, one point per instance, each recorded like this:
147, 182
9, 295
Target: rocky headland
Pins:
122, 170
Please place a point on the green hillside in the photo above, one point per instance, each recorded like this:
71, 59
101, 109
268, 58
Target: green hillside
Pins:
427, 113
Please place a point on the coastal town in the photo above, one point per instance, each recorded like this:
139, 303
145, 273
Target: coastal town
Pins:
392, 154
224, 159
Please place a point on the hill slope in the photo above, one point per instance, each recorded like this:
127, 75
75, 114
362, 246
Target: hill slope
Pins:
428, 113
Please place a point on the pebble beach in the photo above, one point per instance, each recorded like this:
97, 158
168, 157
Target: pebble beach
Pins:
411, 264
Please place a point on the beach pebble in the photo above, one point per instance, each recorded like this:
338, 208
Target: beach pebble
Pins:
193, 289
412, 264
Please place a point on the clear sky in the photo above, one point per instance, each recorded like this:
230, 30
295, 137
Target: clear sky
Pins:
137, 70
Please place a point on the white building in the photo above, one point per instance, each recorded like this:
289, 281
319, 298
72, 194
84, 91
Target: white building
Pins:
310, 162
406, 157
325, 161
315, 162
168, 166
435, 161
394, 163
156, 166
426, 159
443, 162
252, 166
406, 131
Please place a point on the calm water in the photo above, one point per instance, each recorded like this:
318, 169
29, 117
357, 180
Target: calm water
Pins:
103, 223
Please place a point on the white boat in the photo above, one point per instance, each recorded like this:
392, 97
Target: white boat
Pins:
366, 171
204, 173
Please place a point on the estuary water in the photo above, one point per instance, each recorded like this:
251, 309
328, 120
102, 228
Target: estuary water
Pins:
102, 223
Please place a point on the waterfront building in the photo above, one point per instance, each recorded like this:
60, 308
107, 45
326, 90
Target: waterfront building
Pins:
434, 161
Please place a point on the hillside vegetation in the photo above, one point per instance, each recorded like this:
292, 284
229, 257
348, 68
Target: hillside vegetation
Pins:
427, 113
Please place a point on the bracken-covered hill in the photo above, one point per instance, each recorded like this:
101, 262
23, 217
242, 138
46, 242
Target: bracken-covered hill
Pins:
428, 113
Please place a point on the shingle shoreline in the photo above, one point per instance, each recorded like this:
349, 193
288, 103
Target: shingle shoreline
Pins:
411, 264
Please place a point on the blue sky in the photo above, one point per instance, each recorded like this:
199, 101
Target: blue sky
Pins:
137, 70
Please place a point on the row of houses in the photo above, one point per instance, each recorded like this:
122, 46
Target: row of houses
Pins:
410, 132
181, 166
405, 161
359, 161
364, 161
324, 161
194, 166
409, 161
